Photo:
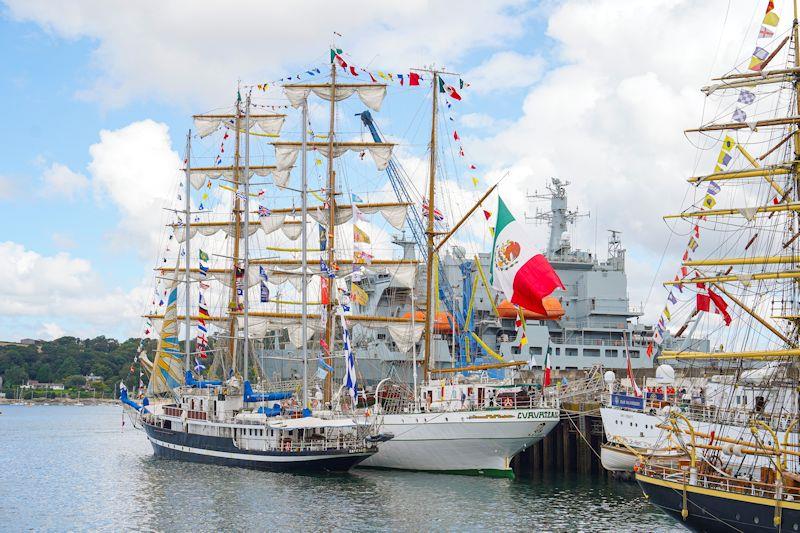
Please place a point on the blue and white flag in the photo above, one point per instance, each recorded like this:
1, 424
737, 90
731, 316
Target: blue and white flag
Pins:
264, 293
198, 366
746, 97
350, 365
323, 368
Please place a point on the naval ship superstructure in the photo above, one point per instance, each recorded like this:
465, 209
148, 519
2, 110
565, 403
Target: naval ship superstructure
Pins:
592, 323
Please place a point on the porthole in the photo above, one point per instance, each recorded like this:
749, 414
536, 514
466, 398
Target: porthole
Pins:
756, 520
738, 516
795, 527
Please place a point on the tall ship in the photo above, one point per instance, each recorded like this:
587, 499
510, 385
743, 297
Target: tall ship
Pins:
734, 461
227, 421
296, 269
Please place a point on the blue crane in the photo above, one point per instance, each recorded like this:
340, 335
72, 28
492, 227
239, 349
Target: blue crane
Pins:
401, 182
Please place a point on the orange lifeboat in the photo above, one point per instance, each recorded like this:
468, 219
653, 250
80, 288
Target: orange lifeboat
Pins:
441, 323
551, 305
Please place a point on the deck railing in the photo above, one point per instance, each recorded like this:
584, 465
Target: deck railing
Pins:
717, 482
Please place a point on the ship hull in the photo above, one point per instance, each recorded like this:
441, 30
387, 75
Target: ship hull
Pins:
717, 511
470, 442
182, 446
640, 430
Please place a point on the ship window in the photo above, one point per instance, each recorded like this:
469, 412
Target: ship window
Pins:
612, 353
573, 352
591, 352
634, 354
381, 336
515, 350
535, 350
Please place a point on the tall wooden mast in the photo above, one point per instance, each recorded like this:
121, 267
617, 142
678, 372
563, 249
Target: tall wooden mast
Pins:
237, 219
796, 140
331, 199
430, 233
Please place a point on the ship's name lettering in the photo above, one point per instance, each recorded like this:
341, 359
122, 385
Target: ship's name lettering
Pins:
538, 414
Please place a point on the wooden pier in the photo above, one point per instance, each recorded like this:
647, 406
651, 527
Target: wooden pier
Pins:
572, 446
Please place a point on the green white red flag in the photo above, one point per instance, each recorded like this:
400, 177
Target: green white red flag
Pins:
522, 274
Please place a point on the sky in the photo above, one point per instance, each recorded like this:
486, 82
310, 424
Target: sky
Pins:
98, 96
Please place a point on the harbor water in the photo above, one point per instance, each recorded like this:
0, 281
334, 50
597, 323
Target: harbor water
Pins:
78, 468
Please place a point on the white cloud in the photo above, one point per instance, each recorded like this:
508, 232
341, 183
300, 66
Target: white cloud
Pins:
505, 70
59, 180
181, 49
61, 289
477, 120
137, 170
50, 331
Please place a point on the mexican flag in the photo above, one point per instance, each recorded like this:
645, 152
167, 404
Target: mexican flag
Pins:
547, 380
524, 276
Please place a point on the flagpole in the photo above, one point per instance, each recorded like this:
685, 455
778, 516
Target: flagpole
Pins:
188, 240
304, 253
246, 276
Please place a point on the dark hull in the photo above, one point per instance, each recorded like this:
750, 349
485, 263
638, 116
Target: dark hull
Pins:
221, 451
713, 510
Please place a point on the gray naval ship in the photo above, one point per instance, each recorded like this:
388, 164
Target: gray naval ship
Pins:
592, 322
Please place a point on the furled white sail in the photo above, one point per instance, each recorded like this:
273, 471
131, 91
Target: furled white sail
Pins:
271, 124
371, 95
405, 336
286, 154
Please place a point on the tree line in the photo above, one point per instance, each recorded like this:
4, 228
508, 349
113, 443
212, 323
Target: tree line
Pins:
68, 359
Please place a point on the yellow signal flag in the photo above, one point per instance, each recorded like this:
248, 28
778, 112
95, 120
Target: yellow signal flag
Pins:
667, 313
728, 143
771, 19
359, 235
318, 162
709, 202
524, 340
474, 181
358, 294
491, 230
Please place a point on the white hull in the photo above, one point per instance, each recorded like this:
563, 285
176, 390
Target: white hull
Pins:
616, 459
478, 442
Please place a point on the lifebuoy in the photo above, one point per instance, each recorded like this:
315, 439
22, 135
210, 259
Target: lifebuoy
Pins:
508, 402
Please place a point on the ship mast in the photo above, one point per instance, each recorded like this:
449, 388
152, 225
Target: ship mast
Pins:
304, 252
784, 202
796, 142
246, 276
331, 199
187, 191
429, 232
237, 221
